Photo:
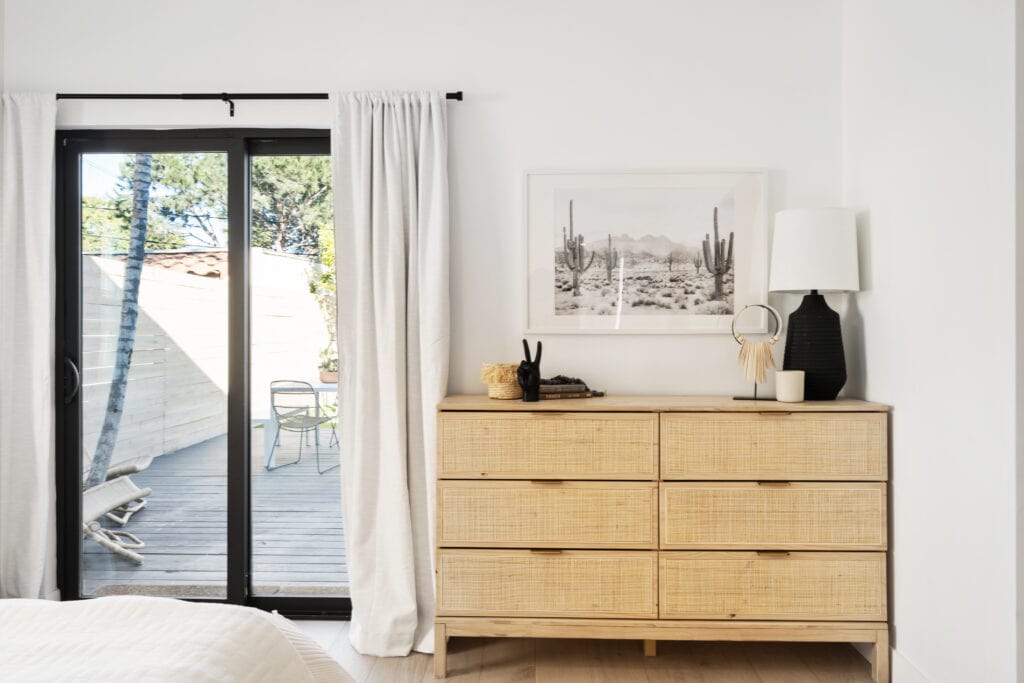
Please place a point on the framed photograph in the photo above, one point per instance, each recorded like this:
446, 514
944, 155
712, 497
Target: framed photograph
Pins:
655, 252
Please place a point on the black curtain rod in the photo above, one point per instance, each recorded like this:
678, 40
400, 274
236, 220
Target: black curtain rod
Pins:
227, 97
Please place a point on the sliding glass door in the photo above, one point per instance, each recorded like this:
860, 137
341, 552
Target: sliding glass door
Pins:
154, 372
198, 448
298, 536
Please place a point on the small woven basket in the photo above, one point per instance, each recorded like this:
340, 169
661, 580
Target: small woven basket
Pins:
501, 380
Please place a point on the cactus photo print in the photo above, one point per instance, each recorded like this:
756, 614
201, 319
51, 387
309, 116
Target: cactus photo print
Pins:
671, 252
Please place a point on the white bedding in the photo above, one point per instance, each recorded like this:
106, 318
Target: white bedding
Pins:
136, 639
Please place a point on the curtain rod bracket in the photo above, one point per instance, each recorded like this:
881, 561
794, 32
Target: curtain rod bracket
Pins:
231, 104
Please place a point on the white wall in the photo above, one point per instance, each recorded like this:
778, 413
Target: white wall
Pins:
1019, 256
915, 112
589, 85
929, 157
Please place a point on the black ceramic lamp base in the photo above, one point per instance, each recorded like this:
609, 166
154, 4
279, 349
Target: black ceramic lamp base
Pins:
814, 344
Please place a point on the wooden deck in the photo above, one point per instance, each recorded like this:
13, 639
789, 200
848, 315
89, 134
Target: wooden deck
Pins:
297, 535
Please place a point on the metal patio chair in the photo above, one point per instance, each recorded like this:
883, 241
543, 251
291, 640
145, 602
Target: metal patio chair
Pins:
297, 409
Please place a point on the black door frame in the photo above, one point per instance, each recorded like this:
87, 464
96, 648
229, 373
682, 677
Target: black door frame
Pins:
240, 144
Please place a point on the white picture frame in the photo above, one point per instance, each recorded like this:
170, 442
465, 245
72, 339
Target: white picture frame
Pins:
655, 221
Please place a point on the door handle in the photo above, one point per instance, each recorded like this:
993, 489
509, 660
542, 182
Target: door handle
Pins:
76, 378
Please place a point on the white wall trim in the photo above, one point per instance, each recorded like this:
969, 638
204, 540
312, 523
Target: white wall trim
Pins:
903, 671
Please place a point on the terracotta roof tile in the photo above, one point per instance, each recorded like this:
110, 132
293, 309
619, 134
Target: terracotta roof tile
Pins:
202, 263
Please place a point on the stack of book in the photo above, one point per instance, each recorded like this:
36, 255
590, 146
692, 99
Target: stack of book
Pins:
553, 391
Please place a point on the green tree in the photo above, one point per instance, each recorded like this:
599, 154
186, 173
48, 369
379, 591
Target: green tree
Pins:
189, 196
291, 201
291, 204
323, 287
106, 227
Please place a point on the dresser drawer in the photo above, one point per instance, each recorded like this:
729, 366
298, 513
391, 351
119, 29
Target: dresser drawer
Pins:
785, 586
770, 515
548, 445
547, 514
569, 583
784, 446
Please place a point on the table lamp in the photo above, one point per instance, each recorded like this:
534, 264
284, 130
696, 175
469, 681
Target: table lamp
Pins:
816, 250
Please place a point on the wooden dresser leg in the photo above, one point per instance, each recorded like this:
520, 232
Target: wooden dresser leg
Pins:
440, 651
650, 648
880, 665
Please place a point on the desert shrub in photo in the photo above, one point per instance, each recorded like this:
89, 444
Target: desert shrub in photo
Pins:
714, 308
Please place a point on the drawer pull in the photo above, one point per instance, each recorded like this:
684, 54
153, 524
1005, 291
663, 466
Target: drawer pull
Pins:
547, 481
780, 413
772, 553
774, 483
546, 551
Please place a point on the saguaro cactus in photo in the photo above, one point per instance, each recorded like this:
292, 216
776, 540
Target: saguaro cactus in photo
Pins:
697, 262
717, 258
672, 258
611, 258
574, 254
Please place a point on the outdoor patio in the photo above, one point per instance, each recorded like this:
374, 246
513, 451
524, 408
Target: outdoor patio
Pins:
297, 534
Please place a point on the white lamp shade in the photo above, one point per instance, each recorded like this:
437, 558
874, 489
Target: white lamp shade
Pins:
814, 249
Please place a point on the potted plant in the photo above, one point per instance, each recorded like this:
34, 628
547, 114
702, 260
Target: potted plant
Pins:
329, 365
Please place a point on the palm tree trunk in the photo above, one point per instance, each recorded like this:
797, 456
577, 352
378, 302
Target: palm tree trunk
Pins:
141, 181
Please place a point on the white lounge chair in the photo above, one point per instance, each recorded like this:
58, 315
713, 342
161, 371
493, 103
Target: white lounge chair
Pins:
123, 513
103, 499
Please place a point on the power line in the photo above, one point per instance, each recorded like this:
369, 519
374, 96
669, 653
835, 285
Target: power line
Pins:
161, 212
167, 212
307, 249
148, 242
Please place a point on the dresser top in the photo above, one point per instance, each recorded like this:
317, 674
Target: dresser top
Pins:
655, 404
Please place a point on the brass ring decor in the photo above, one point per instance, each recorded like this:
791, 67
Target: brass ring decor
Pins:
756, 357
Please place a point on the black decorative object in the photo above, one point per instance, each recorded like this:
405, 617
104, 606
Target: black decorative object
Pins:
814, 344
529, 374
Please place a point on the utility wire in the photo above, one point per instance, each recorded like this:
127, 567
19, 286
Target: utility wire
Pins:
179, 214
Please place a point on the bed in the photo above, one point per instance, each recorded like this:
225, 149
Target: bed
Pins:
141, 639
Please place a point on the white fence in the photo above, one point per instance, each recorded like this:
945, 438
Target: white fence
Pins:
178, 382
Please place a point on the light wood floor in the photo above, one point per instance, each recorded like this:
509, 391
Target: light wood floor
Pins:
519, 660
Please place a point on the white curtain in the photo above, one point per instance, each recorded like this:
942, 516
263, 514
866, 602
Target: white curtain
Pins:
27, 516
391, 220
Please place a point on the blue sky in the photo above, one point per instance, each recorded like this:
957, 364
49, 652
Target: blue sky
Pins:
99, 173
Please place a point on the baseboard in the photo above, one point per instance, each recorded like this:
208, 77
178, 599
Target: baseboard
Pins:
902, 670
905, 672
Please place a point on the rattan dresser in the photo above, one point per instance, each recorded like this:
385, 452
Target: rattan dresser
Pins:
662, 518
